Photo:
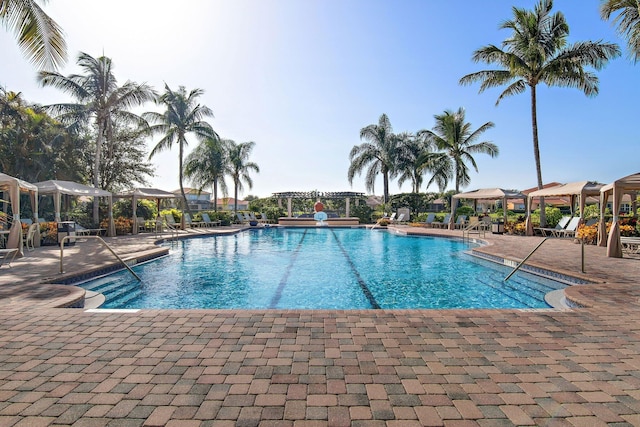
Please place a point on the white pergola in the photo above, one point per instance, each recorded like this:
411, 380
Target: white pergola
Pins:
57, 188
14, 186
580, 189
627, 184
485, 194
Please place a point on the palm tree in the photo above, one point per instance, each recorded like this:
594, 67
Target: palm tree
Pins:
628, 21
208, 164
183, 115
379, 153
416, 156
537, 52
240, 167
454, 136
99, 100
39, 37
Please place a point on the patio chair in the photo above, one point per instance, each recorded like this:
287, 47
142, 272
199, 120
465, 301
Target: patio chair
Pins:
206, 221
171, 222
572, 227
397, 220
241, 218
429, 221
444, 223
29, 240
555, 231
7, 256
460, 222
188, 222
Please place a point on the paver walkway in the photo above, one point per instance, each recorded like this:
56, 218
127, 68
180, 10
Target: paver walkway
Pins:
578, 367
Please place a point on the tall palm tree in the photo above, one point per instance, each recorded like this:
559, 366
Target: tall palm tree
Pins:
628, 21
208, 164
537, 52
416, 157
454, 136
183, 115
40, 38
99, 100
240, 167
379, 153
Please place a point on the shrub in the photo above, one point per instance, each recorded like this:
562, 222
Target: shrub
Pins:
588, 234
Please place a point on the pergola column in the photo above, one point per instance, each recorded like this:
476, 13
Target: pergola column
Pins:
289, 210
347, 207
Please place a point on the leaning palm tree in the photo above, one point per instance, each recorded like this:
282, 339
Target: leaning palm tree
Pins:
40, 38
99, 100
453, 135
379, 153
240, 167
183, 115
208, 164
537, 52
628, 21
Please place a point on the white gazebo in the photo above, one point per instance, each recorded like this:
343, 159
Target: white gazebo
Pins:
14, 186
485, 194
144, 193
58, 188
628, 184
580, 189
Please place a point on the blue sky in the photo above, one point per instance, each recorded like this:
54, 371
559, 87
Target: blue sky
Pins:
301, 78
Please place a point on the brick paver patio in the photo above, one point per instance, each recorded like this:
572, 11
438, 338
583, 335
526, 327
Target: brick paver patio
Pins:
553, 367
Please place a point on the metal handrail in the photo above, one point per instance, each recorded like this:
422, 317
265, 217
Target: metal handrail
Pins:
525, 259
104, 243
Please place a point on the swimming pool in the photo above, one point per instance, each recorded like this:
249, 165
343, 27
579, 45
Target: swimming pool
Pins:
321, 268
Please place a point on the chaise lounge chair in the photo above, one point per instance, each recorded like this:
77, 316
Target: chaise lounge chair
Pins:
206, 221
554, 231
7, 256
429, 221
572, 227
444, 223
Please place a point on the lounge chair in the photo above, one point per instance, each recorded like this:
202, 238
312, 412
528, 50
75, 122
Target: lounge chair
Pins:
555, 231
397, 220
29, 240
206, 221
171, 222
444, 223
460, 222
241, 218
7, 256
81, 231
188, 222
630, 245
429, 221
572, 227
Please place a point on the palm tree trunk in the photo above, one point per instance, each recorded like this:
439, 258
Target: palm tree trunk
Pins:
215, 195
385, 180
96, 171
184, 197
536, 153
235, 196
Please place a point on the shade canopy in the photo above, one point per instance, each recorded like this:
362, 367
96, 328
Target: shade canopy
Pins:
580, 189
627, 184
57, 188
144, 193
14, 186
489, 194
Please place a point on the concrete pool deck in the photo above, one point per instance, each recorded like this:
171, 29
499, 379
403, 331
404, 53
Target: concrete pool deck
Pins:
553, 367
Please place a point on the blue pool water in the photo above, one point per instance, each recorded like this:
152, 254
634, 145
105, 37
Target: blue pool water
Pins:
321, 268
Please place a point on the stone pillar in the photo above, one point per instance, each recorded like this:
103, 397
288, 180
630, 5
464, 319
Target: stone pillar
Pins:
289, 213
348, 203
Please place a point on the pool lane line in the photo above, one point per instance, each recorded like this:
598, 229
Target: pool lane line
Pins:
365, 289
283, 282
